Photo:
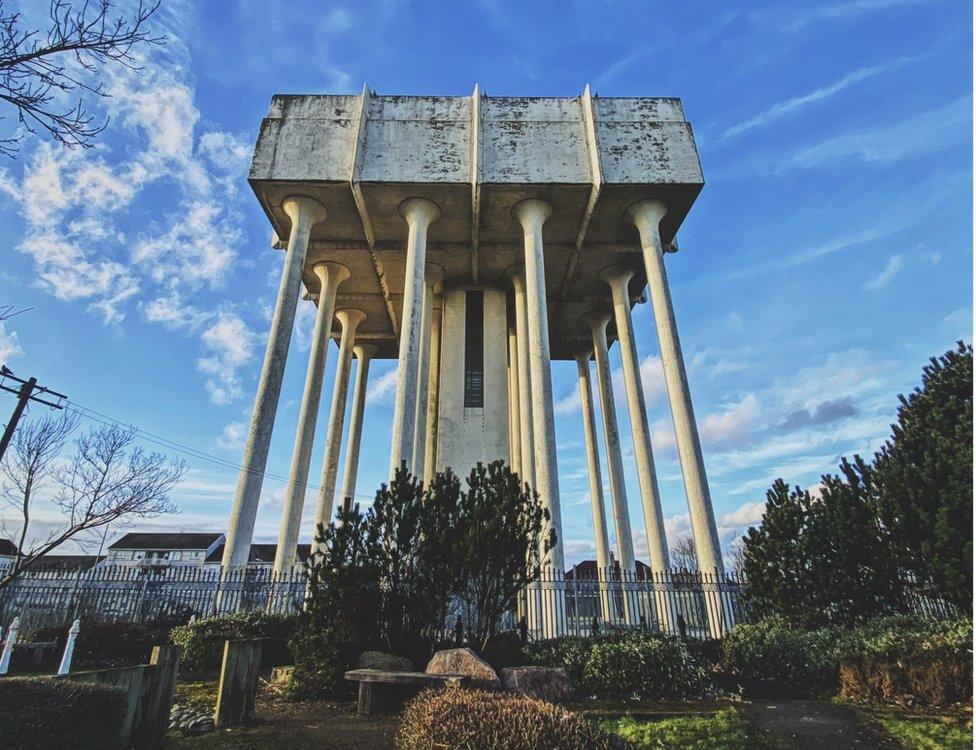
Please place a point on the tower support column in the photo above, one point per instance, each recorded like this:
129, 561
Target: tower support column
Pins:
604, 572
304, 213
330, 276
363, 354
526, 408
514, 431
617, 278
349, 320
432, 277
646, 216
433, 386
419, 213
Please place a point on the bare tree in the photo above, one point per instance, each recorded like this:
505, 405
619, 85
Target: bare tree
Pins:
683, 555
38, 69
737, 558
107, 478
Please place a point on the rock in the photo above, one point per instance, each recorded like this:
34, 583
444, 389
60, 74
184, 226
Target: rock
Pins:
385, 662
281, 676
465, 662
200, 725
547, 683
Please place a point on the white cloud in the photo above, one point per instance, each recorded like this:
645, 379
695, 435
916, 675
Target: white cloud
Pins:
229, 344
796, 103
233, 435
9, 346
382, 389
886, 274
337, 20
918, 135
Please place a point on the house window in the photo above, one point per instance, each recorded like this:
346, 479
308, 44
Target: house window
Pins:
474, 349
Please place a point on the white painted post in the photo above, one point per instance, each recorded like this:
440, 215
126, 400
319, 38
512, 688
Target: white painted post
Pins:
8, 645
69, 648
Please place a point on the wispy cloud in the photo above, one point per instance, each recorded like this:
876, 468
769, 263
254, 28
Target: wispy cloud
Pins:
886, 274
797, 103
382, 389
793, 19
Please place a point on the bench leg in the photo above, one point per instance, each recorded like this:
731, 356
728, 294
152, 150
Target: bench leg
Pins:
369, 699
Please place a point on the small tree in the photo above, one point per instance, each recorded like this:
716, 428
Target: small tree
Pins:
924, 476
106, 479
39, 69
498, 546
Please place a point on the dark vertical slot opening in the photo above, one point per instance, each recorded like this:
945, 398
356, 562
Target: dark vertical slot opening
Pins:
474, 349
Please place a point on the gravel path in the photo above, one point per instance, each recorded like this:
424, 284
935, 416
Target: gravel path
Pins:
814, 725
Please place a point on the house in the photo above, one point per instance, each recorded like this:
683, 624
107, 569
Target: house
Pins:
68, 562
8, 553
262, 555
163, 549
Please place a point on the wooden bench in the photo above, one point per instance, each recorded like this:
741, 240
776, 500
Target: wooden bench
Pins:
370, 679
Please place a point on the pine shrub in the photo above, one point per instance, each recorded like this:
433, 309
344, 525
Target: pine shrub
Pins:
481, 720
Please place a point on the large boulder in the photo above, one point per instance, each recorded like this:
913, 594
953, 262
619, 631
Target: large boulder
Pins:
546, 683
464, 661
385, 662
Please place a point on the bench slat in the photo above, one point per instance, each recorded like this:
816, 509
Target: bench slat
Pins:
406, 678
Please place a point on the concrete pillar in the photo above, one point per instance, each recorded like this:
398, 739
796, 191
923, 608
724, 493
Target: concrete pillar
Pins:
647, 216
597, 321
432, 277
330, 276
433, 386
304, 213
617, 277
526, 439
532, 214
363, 354
349, 320
514, 432
604, 573
419, 213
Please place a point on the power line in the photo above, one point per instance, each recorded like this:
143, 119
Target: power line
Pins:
186, 450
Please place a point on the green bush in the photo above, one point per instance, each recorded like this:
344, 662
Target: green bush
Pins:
203, 640
322, 657
721, 730
644, 666
40, 713
882, 657
771, 654
477, 719
105, 644
622, 664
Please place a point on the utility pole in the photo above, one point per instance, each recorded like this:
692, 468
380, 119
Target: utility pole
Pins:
25, 394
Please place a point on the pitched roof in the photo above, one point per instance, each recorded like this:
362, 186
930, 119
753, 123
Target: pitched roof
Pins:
166, 541
8, 548
260, 553
586, 570
67, 562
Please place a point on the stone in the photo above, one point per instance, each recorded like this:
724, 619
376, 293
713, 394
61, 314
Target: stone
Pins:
464, 661
385, 662
545, 683
282, 675
200, 725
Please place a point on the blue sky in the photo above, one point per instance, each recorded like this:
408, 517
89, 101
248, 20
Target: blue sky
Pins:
827, 258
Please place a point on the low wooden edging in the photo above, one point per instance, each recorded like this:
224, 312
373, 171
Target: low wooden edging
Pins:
149, 694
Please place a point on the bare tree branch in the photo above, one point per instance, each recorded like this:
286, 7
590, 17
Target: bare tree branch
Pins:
683, 555
109, 477
36, 71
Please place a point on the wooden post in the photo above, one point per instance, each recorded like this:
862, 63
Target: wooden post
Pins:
238, 682
158, 700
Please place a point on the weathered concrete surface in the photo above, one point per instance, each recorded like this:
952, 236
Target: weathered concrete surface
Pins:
463, 661
363, 354
476, 157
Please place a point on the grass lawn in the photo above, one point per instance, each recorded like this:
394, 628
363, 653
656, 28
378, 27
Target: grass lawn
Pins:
926, 732
725, 729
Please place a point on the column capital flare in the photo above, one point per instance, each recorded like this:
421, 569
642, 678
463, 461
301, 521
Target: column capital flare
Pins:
617, 276
650, 209
530, 211
294, 205
327, 268
419, 209
597, 320
350, 318
364, 351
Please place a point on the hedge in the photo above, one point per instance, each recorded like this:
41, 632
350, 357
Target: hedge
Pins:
40, 713
105, 644
203, 640
626, 664
470, 719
